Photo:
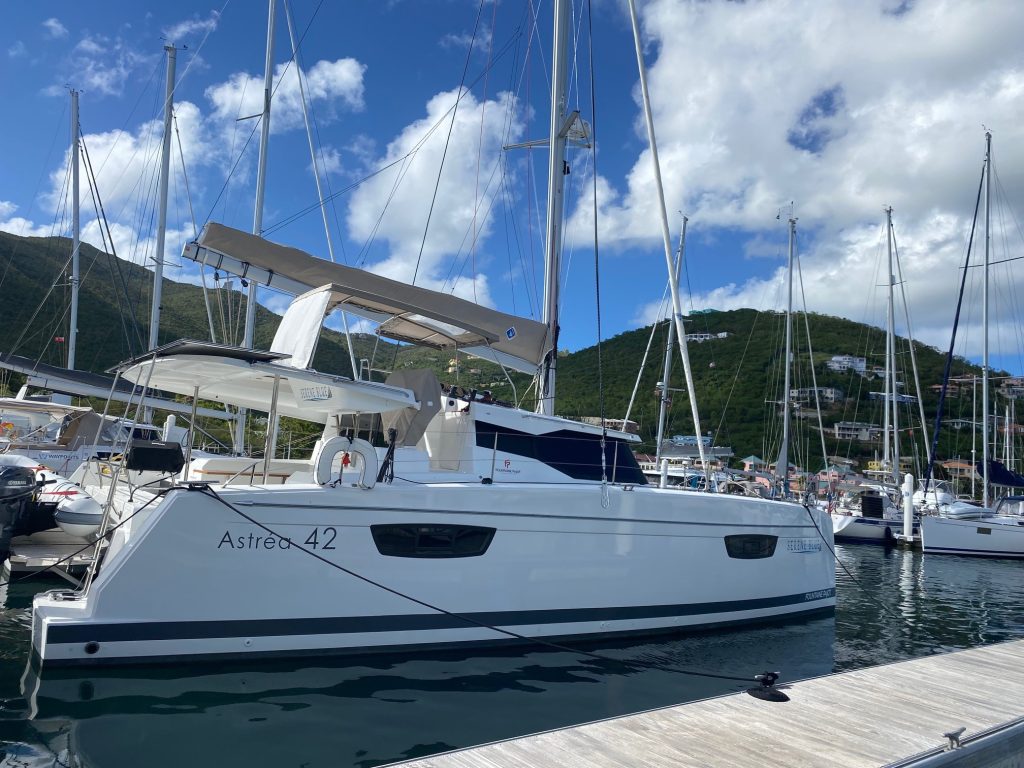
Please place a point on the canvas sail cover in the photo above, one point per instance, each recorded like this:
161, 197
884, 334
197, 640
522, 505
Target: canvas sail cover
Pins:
405, 312
999, 474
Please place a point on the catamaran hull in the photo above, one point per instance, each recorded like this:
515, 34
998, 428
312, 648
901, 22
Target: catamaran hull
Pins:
199, 580
982, 538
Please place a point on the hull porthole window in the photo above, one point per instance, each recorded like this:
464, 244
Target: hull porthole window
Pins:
750, 546
431, 540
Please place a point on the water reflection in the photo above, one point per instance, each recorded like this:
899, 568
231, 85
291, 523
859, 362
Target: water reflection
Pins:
940, 603
367, 712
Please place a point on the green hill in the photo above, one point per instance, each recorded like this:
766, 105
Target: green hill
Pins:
737, 375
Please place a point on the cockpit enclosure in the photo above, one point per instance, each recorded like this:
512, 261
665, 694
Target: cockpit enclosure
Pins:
1011, 506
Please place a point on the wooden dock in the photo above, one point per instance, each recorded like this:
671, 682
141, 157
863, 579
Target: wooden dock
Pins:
890, 715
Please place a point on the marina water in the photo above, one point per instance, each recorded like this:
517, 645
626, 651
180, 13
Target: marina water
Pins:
893, 605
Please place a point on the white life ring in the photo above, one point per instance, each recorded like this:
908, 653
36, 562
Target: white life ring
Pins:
330, 450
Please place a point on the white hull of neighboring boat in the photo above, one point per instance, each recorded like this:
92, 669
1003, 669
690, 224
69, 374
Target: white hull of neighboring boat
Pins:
866, 529
1000, 536
199, 580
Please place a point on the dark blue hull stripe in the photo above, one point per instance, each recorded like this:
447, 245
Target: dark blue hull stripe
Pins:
979, 552
343, 625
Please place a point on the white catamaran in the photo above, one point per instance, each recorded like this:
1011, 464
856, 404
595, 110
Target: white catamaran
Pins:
480, 522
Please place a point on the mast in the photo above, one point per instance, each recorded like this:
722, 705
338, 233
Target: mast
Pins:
984, 322
782, 465
558, 131
161, 227
316, 177
890, 364
76, 226
666, 372
666, 238
257, 221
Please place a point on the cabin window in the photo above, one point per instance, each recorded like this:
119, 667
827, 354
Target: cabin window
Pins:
573, 453
750, 546
985, 530
431, 540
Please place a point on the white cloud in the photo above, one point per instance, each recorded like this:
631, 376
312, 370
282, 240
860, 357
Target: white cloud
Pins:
22, 226
194, 27
842, 108
333, 84
126, 164
101, 65
7, 208
17, 50
54, 29
480, 42
328, 161
845, 277
404, 193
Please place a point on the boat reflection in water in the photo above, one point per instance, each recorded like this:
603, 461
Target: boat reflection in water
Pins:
370, 711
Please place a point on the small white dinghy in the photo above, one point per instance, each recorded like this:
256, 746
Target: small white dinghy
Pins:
59, 502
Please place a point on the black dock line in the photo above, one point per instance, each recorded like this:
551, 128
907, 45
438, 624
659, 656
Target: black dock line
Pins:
205, 489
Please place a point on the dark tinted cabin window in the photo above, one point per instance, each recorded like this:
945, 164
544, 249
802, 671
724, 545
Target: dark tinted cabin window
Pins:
431, 540
576, 454
750, 546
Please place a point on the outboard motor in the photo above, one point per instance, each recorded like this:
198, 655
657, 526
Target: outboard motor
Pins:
17, 486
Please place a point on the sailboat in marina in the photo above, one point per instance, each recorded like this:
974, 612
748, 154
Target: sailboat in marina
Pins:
982, 531
478, 522
872, 512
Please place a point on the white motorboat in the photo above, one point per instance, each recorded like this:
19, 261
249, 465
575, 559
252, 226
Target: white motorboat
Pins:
977, 531
867, 515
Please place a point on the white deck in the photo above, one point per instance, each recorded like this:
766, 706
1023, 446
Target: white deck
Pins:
48, 548
869, 717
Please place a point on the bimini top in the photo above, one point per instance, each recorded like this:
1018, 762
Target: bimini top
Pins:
246, 378
51, 409
405, 312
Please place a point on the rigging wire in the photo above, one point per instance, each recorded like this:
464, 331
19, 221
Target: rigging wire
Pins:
451, 127
952, 341
814, 376
112, 254
597, 270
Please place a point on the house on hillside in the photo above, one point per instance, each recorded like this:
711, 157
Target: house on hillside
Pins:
829, 395
754, 464
959, 470
857, 430
900, 397
700, 338
1012, 388
840, 363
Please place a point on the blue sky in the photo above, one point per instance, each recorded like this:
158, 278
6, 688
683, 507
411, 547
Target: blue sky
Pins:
841, 110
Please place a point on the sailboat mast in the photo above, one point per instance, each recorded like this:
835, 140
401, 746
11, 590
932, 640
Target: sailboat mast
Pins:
161, 227
558, 131
782, 465
666, 371
76, 227
261, 168
257, 222
984, 322
892, 399
666, 238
